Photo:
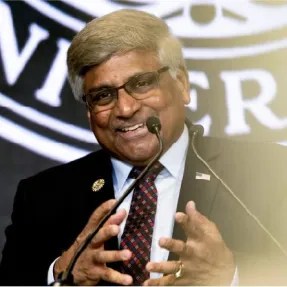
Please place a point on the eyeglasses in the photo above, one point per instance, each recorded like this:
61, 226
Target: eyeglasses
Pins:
137, 87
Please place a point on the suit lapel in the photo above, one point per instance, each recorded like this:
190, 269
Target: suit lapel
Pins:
195, 184
99, 186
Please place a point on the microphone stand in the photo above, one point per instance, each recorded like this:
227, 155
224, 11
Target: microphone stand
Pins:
66, 277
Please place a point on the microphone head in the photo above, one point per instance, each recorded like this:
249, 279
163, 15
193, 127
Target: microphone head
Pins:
197, 129
153, 125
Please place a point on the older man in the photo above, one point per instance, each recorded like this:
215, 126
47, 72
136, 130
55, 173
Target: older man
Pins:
127, 67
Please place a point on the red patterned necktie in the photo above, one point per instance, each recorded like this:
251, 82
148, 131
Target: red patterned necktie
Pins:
137, 235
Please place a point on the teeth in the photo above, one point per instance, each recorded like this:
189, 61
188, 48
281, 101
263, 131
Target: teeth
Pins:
132, 128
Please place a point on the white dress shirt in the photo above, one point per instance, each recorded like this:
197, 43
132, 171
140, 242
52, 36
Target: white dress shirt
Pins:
168, 184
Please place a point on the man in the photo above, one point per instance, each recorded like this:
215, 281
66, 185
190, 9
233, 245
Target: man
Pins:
127, 67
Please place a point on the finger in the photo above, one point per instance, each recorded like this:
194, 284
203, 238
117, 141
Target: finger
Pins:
201, 221
167, 280
94, 220
100, 212
97, 216
117, 218
104, 234
165, 267
194, 224
103, 256
113, 276
190, 206
173, 245
109, 275
190, 229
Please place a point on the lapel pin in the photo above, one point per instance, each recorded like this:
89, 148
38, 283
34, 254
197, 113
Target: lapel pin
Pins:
202, 176
98, 184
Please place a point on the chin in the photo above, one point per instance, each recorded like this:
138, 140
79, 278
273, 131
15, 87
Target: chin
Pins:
139, 158
142, 152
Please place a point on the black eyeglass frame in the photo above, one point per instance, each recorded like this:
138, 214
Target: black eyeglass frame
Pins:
115, 90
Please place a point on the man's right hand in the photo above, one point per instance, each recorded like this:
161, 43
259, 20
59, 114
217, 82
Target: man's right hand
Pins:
91, 265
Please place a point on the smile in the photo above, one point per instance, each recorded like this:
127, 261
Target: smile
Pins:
131, 128
130, 133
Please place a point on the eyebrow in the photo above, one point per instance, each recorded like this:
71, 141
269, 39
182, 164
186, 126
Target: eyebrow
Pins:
100, 88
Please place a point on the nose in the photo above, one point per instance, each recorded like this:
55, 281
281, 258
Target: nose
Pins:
126, 106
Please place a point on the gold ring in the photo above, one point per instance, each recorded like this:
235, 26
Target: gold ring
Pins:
179, 272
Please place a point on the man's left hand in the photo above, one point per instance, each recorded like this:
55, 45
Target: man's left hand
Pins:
204, 258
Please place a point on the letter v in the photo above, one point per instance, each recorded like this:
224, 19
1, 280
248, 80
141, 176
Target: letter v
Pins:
14, 60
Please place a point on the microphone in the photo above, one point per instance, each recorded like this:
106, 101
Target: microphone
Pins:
153, 125
197, 130
66, 278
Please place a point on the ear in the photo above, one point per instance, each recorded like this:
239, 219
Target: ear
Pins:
89, 116
183, 84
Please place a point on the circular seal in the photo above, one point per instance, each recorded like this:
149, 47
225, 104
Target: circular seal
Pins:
228, 45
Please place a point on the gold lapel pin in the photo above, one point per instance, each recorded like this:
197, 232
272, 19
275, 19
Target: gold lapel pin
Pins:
98, 184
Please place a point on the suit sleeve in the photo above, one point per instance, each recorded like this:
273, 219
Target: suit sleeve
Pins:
29, 248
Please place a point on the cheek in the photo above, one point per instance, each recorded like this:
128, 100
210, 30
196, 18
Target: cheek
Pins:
100, 120
170, 101
100, 126
161, 100
172, 111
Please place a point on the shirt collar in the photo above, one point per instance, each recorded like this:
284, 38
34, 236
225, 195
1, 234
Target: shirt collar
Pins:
177, 151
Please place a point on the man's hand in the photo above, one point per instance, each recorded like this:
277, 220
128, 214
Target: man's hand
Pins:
205, 257
91, 265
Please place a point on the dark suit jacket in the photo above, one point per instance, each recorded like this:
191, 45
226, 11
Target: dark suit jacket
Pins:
52, 207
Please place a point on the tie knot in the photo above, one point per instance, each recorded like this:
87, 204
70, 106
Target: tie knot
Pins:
156, 169
153, 172
135, 172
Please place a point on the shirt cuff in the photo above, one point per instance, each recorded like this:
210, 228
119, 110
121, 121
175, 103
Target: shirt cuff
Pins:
235, 280
50, 277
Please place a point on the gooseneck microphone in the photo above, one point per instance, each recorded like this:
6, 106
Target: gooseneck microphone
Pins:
196, 131
154, 126
66, 278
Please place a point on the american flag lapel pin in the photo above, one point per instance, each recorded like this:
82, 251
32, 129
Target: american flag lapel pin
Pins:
202, 176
